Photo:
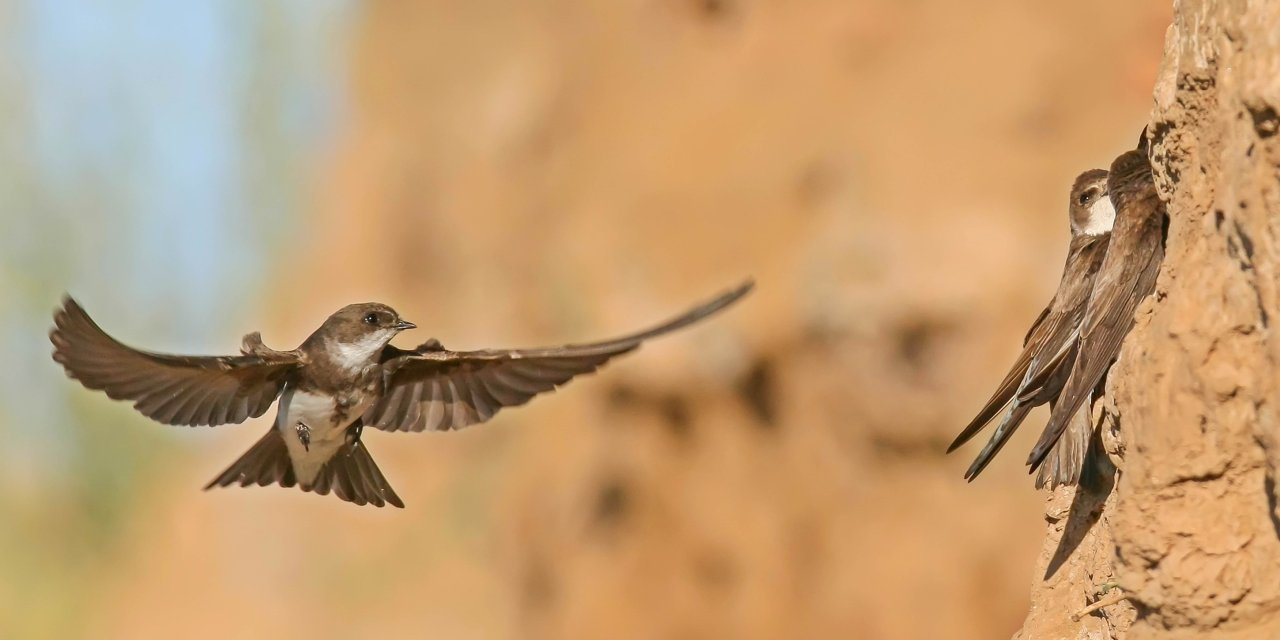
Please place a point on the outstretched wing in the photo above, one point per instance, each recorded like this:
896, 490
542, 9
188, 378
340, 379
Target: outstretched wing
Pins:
434, 389
180, 390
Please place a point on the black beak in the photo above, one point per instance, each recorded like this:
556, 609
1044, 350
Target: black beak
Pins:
403, 325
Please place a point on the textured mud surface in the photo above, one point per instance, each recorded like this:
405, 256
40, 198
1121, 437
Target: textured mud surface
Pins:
1193, 513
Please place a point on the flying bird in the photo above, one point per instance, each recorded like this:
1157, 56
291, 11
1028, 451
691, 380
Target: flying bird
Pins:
1127, 276
1049, 347
346, 376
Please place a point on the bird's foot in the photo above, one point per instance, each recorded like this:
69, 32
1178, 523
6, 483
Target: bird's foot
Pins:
304, 435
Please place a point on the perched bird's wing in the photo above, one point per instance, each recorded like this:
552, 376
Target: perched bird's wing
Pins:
1108, 321
1035, 326
1041, 385
182, 390
1047, 375
432, 388
1044, 342
1006, 390
1127, 277
1052, 346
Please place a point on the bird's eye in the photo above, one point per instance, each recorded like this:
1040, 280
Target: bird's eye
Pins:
371, 318
1087, 196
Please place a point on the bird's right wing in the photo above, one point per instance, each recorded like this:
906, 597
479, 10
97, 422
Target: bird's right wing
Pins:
180, 390
434, 389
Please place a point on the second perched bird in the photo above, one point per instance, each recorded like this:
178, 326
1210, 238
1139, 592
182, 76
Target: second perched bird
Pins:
344, 377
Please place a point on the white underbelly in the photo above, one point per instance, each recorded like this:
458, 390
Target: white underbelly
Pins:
325, 430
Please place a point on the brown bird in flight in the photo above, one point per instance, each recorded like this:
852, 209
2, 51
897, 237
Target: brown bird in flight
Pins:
344, 377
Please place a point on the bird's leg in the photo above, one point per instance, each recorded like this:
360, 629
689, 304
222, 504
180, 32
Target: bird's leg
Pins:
304, 435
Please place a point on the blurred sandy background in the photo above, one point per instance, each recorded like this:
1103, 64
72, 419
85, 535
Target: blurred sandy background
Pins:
894, 175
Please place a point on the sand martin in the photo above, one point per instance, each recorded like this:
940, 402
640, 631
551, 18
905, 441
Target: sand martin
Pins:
1127, 276
344, 377
1048, 349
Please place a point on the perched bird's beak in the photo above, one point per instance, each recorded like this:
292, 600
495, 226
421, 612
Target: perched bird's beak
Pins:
402, 325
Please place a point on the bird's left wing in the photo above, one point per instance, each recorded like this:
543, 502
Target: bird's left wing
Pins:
180, 390
434, 389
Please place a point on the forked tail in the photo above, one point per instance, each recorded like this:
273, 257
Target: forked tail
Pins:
350, 474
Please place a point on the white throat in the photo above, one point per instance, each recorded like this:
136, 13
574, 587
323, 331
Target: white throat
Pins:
1102, 215
355, 355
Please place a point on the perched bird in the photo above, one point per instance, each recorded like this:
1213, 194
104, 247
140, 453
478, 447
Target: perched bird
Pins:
1049, 347
1127, 276
344, 377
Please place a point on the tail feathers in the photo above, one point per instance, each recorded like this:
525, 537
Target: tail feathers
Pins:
350, 474
266, 462
1066, 461
1007, 390
1012, 418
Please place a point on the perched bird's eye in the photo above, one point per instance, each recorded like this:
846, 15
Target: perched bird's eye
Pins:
1087, 196
371, 318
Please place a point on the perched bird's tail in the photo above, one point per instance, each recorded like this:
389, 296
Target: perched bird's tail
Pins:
350, 474
1066, 460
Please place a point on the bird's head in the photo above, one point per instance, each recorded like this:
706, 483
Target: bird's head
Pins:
1092, 212
357, 333
1131, 177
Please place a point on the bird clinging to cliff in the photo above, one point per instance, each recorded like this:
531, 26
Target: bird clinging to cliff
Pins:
1126, 277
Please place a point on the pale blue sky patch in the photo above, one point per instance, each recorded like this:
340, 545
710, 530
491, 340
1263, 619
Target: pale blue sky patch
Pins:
139, 130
